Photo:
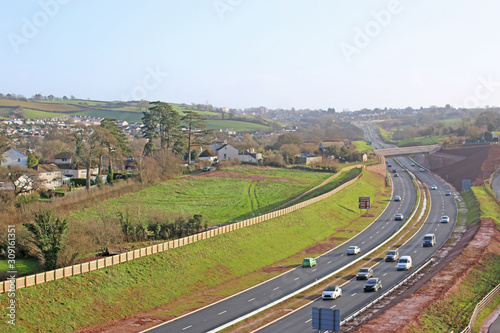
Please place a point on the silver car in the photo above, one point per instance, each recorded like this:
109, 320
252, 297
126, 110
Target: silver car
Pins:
353, 250
332, 292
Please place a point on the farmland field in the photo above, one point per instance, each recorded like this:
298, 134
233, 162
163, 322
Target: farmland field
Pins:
220, 196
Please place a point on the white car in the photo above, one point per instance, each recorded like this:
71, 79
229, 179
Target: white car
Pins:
434, 187
445, 219
332, 292
422, 169
397, 198
353, 250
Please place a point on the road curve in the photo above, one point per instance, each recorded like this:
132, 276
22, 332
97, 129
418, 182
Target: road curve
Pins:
218, 314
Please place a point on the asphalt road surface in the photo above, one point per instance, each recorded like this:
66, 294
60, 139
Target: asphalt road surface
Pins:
218, 314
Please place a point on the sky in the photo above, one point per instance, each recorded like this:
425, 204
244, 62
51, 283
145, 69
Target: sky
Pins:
318, 54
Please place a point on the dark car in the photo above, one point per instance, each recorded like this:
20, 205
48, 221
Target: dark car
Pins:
364, 273
396, 175
373, 284
394, 171
392, 255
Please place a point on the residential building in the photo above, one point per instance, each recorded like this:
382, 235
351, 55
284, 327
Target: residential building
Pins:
224, 151
208, 155
62, 158
14, 157
250, 156
49, 176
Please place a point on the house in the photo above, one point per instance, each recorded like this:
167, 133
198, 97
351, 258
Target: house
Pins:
250, 156
225, 151
208, 155
74, 171
49, 176
62, 158
308, 158
14, 157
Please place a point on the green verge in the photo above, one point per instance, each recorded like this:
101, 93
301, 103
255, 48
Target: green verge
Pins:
473, 213
489, 208
454, 312
362, 146
146, 283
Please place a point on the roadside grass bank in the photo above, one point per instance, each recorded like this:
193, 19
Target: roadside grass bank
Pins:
454, 311
153, 281
489, 208
473, 212
485, 313
294, 303
362, 146
334, 183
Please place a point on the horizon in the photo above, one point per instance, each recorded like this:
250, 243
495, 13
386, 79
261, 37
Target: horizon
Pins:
241, 54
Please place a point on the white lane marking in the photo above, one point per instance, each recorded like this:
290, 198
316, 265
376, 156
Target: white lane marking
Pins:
363, 243
415, 251
353, 294
222, 312
329, 262
314, 269
333, 306
251, 299
185, 328
384, 274
276, 288
371, 237
377, 232
307, 321
436, 229
342, 254
296, 279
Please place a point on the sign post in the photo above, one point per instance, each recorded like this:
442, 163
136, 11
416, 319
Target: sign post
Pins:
325, 319
364, 203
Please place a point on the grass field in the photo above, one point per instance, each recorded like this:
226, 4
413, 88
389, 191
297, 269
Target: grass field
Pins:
362, 146
239, 126
219, 200
428, 140
147, 283
23, 266
385, 135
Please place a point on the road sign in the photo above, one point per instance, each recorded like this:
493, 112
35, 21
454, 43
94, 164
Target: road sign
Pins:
466, 184
364, 202
325, 319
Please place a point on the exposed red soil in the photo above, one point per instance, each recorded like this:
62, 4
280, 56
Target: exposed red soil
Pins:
401, 312
455, 164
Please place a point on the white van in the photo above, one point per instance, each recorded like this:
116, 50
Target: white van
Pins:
429, 240
404, 263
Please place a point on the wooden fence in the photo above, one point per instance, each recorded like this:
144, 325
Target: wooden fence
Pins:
60, 273
480, 306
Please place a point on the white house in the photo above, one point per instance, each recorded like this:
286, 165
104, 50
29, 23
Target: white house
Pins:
208, 155
70, 170
224, 151
62, 158
14, 157
49, 175
250, 156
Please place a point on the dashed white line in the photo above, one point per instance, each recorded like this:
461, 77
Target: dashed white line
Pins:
436, 229
329, 262
296, 279
276, 288
185, 328
371, 237
307, 321
333, 306
342, 254
251, 299
222, 312
384, 274
363, 243
353, 294
415, 251
314, 269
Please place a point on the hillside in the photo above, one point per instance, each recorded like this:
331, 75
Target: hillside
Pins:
128, 111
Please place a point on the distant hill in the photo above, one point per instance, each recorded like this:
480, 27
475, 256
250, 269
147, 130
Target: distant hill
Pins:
128, 111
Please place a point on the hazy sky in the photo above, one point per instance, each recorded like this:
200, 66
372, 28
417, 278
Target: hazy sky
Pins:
243, 53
